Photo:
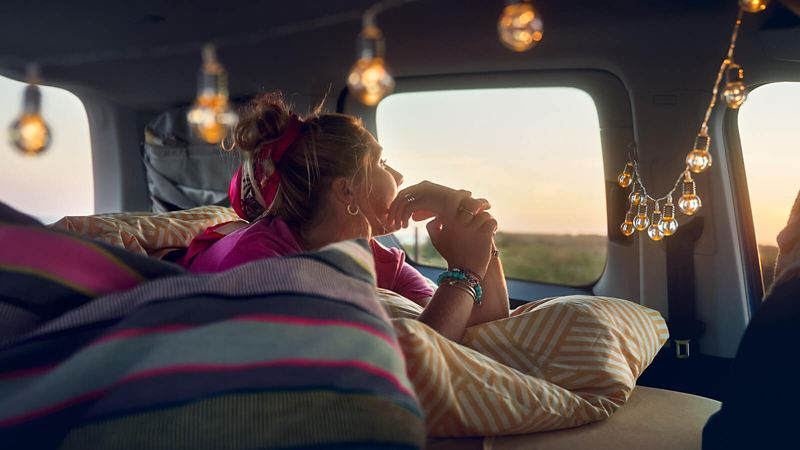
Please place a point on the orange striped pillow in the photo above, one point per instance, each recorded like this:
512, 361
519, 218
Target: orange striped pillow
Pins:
555, 363
153, 234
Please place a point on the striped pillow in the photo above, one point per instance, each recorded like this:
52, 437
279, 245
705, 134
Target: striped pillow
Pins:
290, 352
154, 234
555, 363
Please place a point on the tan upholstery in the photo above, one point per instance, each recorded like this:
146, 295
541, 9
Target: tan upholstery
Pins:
652, 419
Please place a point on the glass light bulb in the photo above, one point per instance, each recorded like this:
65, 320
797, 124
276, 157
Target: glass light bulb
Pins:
734, 94
640, 222
669, 225
520, 27
636, 198
689, 203
210, 116
655, 232
753, 6
30, 134
627, 228
370, 81
698, 160
624, 180
627, 225
206, 117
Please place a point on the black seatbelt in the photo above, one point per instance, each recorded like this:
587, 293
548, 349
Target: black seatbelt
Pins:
683, 323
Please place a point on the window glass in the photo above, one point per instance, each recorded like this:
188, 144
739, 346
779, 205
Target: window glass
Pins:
533, 152
768, 126
58, 181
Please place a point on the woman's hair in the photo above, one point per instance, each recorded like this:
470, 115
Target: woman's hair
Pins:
328, 146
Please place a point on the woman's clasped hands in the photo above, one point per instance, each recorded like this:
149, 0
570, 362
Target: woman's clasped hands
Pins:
461, 230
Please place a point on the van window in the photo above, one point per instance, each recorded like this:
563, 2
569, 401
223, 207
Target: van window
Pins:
770, 137
533, 152
58, 181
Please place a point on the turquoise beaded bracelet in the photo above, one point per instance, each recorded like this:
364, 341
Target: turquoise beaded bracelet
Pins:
459, 274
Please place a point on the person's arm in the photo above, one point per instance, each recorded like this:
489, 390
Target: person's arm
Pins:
494, 304
464, 240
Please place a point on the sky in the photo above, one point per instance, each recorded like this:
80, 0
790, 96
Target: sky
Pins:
533, 152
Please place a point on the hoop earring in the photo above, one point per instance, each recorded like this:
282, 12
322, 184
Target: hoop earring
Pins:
350, 210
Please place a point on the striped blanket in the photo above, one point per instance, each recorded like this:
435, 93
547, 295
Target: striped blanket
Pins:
284, 353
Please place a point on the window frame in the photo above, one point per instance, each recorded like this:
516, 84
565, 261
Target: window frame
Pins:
613, 105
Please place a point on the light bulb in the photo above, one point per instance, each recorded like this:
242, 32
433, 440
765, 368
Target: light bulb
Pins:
654, 230
627, 227
689, 202
699, 159
370, 80
210, 116
735, 92
636, 197
29, 133
520, 27
640, 222
625, 178
753, 6
669, 224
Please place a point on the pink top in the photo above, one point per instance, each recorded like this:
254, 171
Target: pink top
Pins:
271, 238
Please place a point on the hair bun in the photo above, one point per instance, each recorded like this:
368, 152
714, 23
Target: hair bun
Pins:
263, 119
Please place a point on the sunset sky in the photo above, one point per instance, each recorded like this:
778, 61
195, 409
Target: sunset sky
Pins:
534, 153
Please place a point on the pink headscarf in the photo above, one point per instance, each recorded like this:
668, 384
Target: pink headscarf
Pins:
250, 193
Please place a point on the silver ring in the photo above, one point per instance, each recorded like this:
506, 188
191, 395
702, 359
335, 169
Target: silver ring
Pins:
409, 198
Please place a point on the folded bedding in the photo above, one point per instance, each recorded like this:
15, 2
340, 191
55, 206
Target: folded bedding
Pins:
555, 363
284, 353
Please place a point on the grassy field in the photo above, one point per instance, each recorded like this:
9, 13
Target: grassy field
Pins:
561, 259
767, 254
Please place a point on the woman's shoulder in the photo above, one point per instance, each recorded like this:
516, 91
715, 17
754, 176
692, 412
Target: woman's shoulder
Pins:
385, 254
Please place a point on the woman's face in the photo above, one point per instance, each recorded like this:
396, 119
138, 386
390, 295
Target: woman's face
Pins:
382, 190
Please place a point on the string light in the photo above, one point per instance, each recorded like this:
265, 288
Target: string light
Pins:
698, 160
640, 222
370, 80
735, 92
689, 202
753, 6
29, 133
636, 197
669, 224
654, 230
626, 177
627, 227
210, 116
520, 27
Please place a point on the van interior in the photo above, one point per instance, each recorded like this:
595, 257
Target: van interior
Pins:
644, 69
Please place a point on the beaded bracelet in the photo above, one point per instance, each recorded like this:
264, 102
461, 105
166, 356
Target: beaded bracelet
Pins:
459, 274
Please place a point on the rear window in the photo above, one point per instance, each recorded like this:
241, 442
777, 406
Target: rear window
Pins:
768, 127
533, 152
58, 181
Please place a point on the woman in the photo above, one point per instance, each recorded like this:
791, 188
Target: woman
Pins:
308, 182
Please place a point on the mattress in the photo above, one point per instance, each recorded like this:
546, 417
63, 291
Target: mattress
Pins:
652, 419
